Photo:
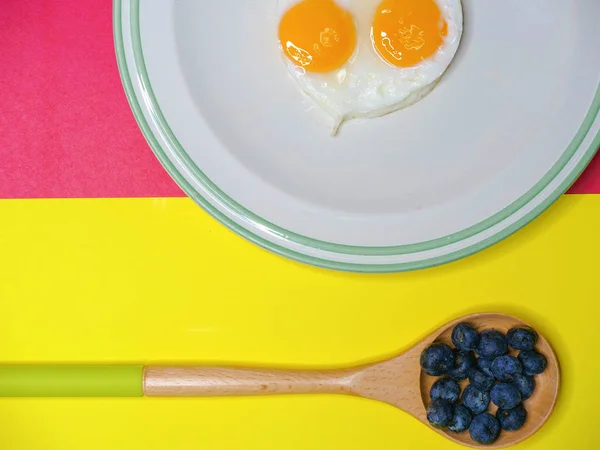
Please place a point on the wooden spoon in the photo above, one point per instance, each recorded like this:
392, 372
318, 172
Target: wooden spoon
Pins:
398, 381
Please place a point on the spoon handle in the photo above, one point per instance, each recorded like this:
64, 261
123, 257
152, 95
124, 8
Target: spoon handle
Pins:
219, 381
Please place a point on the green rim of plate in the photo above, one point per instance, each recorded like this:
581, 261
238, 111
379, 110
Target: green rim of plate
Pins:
178, 152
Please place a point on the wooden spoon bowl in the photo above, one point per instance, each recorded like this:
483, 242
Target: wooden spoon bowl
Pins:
398, 381
539, 406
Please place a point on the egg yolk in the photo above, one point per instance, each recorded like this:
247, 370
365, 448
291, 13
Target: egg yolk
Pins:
405, 32
318, 35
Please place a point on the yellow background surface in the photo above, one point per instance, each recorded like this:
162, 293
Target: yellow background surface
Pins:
158, 281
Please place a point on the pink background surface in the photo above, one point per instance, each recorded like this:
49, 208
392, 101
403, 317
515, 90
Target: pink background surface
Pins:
66, 127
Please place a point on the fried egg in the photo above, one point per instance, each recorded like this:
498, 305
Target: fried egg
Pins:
368, 58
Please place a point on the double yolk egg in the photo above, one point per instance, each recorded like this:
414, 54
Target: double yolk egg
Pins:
366, 58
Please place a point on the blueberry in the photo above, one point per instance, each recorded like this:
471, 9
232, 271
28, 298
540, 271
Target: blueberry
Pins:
440, 413
492, 344
512, 419
533, 362
464, 362
461, 420
474, 399
437, 359
464, 337
525, 384
521, 338
481, 381
505, 395
484, 428
445, 389
506, 368
485, 365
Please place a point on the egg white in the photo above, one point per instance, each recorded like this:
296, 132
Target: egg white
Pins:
367, 86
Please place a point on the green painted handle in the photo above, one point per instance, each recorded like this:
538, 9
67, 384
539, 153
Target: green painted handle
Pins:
71, 381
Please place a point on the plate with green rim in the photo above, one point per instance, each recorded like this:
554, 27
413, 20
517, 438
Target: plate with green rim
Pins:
509, 128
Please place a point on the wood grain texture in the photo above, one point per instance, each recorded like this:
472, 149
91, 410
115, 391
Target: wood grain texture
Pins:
223, 381
398, 381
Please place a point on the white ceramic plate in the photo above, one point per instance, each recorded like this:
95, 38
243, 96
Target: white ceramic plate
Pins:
507, 131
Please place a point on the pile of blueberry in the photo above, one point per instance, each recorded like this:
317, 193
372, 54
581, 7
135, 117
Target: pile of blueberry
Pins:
493, 375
